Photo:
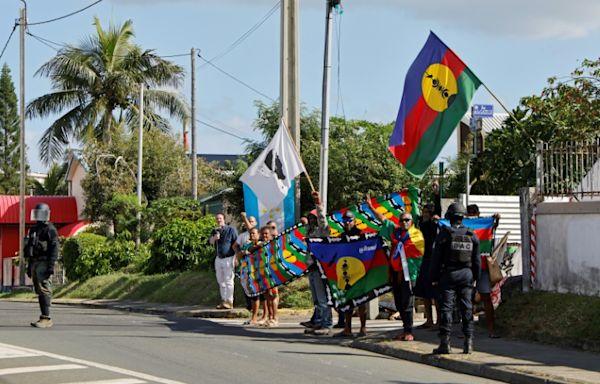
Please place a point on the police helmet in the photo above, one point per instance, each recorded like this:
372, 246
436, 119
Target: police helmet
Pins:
41, 212
455, 211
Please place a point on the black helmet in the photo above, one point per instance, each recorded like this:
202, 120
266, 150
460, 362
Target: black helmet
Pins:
41, 213
455, 211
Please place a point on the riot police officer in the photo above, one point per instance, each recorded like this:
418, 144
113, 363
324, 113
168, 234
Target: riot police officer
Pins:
41, 251
455, 267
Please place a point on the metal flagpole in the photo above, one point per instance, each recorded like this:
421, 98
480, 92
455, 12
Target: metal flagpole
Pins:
323, 175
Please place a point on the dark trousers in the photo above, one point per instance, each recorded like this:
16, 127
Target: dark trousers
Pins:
456, 284
42, 285
404, 299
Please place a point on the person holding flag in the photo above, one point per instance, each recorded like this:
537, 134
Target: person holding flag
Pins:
408, 247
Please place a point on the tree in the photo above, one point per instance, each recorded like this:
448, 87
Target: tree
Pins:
359, 159
565, 111
96, 89
55, 183
9, 135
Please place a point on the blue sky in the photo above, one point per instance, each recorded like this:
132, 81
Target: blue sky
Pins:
513, 46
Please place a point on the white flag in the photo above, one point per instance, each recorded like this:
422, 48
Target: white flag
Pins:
271, 175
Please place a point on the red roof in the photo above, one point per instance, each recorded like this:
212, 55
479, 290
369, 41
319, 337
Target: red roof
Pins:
63, 209
72, 229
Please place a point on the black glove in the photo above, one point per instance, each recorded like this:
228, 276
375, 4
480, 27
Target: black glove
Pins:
28, 270
49, 272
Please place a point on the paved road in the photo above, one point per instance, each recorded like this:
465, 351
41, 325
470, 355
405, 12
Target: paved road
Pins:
110, 347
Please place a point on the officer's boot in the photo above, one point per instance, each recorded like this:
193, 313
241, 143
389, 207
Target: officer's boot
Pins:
43, 322
444, 348
468, 347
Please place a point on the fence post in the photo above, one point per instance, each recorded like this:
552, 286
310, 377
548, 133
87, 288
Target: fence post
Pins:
539, 169
526, 211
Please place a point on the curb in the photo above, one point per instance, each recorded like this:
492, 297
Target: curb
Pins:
460, 363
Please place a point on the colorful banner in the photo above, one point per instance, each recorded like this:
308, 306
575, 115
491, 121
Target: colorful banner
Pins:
483, 228
437, 92
354, 269
287, 253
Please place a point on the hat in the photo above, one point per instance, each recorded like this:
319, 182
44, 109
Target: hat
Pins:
348, 215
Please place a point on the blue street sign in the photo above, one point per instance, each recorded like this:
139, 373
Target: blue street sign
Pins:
483, 110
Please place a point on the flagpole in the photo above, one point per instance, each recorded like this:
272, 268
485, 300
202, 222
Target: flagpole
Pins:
500, 102
300, 157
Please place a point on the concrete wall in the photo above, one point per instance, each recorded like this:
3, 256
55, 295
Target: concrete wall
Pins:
568, 247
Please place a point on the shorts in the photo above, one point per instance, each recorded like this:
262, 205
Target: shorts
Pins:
483, 284
260, 297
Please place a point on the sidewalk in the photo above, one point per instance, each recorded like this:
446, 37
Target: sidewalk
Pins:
499, 359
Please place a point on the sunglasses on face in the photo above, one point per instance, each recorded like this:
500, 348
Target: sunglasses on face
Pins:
346, 221
405, 220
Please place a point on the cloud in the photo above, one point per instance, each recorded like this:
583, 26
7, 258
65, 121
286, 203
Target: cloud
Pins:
532, 19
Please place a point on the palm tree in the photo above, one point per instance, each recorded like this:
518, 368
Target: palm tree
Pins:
54, 183
95, 86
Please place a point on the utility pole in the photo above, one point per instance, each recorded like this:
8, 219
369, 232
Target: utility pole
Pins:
194, 155
23, 167
324, 173
139, 168
290, 86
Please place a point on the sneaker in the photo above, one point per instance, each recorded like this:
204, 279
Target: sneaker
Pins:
221, 306
321, 332
43, 322
307, 324
227, 304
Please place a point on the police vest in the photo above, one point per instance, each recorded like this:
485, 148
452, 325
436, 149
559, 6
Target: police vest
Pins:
461, 247
38, 241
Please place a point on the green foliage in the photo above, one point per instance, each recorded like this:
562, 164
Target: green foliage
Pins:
162, 211
181, 245
9, 135
566, 110
121, 210
83, 256
54, 183
95, 89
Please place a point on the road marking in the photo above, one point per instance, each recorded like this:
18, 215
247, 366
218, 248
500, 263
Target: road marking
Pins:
39, 368
11, 353
115, 381
105, 367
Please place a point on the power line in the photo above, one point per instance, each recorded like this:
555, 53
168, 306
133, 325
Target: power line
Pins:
222, 130
44, 41
237, 80
67, 15
8, 40
245, 35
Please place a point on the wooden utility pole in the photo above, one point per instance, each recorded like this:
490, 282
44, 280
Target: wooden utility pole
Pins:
23, 165
193, 118
139, 168
290, 86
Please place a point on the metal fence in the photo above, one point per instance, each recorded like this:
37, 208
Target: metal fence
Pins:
569, 169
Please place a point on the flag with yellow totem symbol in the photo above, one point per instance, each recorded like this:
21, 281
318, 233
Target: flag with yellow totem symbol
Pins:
354, 269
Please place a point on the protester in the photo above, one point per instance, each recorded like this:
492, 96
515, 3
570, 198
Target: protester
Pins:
321, 322
484, 287
41, 252
399, 236
350, 229
249, 222
271, 295
250, 246
428, 225
223, 238
455, 266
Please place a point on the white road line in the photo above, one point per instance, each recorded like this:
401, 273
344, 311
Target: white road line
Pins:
115, 381
11, 353
39, 368
105, 367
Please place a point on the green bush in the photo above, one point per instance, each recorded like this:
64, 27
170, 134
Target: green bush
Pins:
181, 245
83, 256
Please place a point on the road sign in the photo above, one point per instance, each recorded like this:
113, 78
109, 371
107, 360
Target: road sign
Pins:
483, 110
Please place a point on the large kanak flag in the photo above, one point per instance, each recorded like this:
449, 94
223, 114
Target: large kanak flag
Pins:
271, 175
437, 93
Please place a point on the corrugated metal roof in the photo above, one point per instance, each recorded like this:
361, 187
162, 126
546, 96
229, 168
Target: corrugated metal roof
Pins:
489, 123
63, 209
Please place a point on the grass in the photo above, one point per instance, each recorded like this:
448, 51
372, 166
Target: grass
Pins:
566, 320
185, 288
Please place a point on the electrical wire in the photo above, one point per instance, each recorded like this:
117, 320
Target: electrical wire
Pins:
8, 40
67, 15
237, 80
220, 123
44, 41
222, 130
245, 35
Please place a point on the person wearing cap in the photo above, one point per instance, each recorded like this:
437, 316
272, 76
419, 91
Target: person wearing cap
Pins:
350, 229
320, 323
41, 252
399, 235
455, 266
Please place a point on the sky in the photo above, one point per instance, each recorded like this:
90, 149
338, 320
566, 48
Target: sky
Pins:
512, 46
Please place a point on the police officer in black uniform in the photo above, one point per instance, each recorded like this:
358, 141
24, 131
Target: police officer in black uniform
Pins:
455, 268
41, 251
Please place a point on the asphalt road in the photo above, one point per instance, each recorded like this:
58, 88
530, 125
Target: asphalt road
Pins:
101, 346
